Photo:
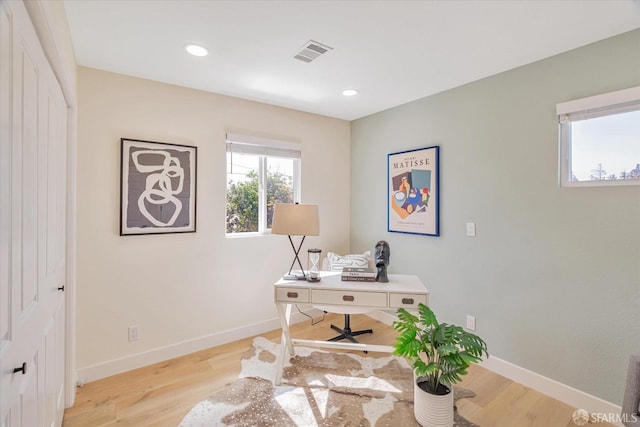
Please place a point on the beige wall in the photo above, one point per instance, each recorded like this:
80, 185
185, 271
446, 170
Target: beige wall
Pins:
182, 287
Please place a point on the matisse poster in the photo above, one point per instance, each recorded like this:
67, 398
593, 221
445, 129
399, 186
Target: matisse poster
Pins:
413, 194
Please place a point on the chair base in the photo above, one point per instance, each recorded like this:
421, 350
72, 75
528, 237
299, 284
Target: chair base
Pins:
346, 333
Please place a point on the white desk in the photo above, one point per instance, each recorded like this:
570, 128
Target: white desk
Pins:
402, 290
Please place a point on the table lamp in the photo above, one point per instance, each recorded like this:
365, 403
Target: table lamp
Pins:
294, 219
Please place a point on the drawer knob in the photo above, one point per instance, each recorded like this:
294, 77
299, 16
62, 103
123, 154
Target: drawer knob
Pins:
348, 298
292, 295
407, 300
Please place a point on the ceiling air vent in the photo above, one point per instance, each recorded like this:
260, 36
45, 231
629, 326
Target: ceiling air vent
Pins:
311, 50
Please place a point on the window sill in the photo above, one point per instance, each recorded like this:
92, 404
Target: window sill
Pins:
246, 234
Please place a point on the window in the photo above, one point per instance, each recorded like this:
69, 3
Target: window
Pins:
260, 172
600, 139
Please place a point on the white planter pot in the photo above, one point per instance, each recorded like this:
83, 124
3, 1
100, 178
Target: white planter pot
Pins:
432, 410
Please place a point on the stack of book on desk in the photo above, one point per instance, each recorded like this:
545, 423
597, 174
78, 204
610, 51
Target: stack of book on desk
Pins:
358, 274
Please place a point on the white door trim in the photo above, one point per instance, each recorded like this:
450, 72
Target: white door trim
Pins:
49, 22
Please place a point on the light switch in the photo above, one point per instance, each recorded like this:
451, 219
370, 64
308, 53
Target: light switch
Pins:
471, 229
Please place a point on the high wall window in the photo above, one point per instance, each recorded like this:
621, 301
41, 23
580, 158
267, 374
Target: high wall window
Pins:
260, 172
600, 139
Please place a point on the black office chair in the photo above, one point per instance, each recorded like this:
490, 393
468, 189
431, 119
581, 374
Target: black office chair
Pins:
346, 333
382, 260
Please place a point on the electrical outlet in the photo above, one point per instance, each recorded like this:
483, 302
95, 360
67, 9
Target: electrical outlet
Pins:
471, 323
134, 333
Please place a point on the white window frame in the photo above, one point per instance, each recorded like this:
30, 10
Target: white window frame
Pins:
265, 148
606, 104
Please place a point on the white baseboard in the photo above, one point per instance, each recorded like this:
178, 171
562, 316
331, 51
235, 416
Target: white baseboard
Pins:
564, 393
117, 366
549, 387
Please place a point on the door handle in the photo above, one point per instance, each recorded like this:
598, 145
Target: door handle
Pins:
22, 369
61, 288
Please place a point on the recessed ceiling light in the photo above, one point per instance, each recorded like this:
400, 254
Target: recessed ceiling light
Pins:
196, 50
349, 92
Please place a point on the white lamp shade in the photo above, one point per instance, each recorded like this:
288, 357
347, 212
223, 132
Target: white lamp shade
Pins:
295, 220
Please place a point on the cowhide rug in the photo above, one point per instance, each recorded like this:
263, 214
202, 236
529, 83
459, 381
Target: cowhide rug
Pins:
318, 389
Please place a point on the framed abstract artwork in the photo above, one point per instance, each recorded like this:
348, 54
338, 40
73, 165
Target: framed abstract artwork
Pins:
157, 187
413, 196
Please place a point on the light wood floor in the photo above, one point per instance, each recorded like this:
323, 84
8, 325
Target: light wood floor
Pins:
163, 393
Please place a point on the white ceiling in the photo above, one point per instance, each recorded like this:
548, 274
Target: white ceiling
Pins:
393, 52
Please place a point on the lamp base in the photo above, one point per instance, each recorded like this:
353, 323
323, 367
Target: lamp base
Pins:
294, 276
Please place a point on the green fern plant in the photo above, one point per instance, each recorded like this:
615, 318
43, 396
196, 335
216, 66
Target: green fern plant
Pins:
439, 352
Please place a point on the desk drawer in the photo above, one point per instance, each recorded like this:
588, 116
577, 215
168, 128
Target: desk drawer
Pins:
359, 299
292, 295
406, 300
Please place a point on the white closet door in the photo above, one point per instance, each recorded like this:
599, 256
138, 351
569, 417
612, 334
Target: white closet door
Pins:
33, 152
